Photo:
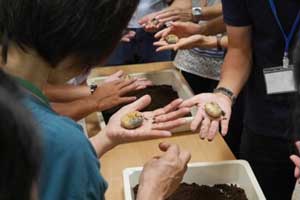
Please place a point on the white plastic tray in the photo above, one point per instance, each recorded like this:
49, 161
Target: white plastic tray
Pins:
228, 172
168, 77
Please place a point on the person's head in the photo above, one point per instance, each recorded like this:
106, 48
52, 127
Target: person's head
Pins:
64, 32
20, 150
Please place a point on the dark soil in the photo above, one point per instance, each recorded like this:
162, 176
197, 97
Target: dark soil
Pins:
161, 96
204, 192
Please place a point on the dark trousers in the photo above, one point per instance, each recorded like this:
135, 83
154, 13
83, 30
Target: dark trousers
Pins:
269, 159
233, 138
139, 50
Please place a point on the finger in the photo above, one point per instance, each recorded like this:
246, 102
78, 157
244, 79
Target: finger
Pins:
164, 146
125, 83
166, 48
168, 108
170, 19
128, 89
172, 151
126, 100
167, 14
214, 126
162, 32
138, 105
185, 157
197, 120
169, 125
140, 135
224, 126
190, 102
204, 128
296, 160
172, 115
118, 74
298, 146
160, 43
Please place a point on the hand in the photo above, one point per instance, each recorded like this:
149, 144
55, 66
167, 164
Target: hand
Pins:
181, 29
114, 77
209, 127
111, 94
146, 23
162, 175
156, 123
128, 36
175, 14
296, 161
194, 41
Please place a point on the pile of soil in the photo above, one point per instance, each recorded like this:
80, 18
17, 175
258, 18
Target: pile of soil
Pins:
204, 192
161, 96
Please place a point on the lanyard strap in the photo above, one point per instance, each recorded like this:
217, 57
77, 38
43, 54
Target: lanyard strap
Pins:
287, 37
33, 89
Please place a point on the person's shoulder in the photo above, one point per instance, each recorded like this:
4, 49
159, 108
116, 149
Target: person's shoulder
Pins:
236, 13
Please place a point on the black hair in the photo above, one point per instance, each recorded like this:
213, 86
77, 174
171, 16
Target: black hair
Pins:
55, 29
20, 148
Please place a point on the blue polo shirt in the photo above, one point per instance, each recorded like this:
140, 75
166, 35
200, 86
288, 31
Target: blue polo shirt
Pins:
70, 167
269, 115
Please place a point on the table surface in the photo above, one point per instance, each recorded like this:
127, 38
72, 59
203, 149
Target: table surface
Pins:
138, 153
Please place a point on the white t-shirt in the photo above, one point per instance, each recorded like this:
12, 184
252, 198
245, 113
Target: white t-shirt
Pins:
146, 7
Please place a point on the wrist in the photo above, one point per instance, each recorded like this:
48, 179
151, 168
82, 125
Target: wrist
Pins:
149, 193
102, 143
227, 93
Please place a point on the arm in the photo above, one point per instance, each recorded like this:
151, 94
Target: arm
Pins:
66, 93
211, 12
212, 27
238, 60
77, 109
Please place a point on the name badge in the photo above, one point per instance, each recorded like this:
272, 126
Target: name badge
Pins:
280, 79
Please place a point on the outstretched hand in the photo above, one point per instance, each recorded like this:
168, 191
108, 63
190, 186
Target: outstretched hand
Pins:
296, 161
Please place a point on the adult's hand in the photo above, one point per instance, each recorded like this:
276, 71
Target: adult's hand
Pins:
175, 14
296, 161
120, 75
147, 22
199, 41
114, 77
162, 175
181, 29
209, 127
156, 123
111, 94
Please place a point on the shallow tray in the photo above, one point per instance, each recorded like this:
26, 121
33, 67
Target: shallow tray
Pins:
228, 172
168, 77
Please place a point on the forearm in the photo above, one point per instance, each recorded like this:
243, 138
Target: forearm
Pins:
146, 193
101, 143
238, 61
66, 93
213, 27
182, 4
211, 12
77, 109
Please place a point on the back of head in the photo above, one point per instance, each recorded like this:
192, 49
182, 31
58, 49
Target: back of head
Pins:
20, 151
55, 29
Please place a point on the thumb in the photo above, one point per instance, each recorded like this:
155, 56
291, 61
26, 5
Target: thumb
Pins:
139, 104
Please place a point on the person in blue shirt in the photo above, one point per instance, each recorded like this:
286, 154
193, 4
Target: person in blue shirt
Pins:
51, 42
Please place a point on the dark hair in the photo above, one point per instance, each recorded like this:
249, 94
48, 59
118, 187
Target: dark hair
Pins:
20, 150
55, 29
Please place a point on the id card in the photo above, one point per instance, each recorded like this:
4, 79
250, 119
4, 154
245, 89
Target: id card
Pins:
280, 80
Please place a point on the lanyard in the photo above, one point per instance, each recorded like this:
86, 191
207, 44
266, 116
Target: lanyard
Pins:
33, 89
287, 37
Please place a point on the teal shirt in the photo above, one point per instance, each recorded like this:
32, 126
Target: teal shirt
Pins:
70, 167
